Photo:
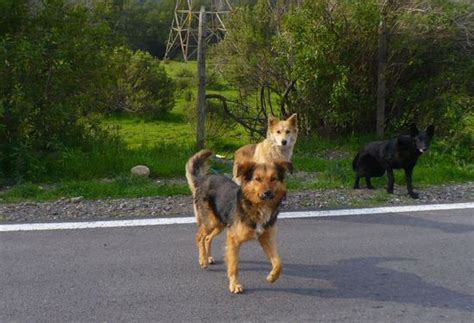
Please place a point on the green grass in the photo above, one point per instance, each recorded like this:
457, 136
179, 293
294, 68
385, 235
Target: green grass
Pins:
138, 132
164, 145
331, 159
326, 161
175, 68
121, 187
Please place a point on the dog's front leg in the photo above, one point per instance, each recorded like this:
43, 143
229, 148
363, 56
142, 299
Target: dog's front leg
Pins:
408, 177
391, 180
268, 242
232, 260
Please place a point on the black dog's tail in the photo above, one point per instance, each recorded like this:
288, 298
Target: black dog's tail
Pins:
354, 162
197, 167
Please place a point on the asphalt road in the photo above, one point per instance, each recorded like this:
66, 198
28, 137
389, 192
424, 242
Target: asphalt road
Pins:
416, 267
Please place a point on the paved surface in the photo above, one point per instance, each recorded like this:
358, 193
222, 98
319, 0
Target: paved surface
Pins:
416, 267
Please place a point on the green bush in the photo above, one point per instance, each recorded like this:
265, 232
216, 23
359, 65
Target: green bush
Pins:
142, 85
329, 48
54, 75
185, 79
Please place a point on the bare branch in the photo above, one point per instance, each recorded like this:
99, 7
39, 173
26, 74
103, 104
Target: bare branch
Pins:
241, 121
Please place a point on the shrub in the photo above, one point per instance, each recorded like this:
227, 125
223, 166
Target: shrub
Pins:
185, 79
54, 75
217, 123
142, 86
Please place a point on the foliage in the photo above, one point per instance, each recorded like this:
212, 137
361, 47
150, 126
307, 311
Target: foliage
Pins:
143, 24
142, 84
54, 75
217, 124
330, 49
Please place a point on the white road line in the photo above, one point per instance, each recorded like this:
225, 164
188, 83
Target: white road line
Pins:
187, 220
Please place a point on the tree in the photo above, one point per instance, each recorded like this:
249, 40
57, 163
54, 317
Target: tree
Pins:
54, 76
330, 48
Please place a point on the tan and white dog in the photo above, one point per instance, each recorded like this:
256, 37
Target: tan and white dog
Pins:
278, 145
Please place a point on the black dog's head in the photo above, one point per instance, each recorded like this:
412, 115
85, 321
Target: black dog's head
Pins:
421, 138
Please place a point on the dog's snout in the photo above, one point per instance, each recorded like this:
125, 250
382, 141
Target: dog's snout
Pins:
284, 142
267, 195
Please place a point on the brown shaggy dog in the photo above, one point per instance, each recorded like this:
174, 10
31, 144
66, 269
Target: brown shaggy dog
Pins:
248, 211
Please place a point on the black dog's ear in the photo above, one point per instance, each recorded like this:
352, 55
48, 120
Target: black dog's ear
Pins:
414, 130
283, 167
430, 130
246, 169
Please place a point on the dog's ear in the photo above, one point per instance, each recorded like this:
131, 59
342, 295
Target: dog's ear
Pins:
282, 167
272, 121
293, 119
430, 130
414, 130
246, 169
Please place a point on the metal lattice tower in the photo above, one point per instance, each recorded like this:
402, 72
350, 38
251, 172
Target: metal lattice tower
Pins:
183, 34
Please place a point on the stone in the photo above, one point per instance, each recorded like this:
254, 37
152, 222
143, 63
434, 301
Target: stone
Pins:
76, 199
140, 170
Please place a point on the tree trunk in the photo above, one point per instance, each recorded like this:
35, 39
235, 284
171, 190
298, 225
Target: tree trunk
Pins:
381, 75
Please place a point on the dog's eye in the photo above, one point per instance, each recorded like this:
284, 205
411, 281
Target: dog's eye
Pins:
273, 179
258, 179
278, 131
288, 131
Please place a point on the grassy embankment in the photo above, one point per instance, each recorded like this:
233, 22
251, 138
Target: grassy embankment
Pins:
164, 145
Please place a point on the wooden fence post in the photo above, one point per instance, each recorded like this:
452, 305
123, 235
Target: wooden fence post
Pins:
201, 71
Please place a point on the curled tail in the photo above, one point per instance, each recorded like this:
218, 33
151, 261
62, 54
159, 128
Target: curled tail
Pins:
196, 168
354, 162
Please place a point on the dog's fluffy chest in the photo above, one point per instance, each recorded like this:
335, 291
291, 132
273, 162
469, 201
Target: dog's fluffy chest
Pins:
262, 217
265, 152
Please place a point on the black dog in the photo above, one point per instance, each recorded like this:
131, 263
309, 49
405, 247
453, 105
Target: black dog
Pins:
375, 158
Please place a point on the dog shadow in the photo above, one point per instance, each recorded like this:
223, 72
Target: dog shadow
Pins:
364, 278
401, 219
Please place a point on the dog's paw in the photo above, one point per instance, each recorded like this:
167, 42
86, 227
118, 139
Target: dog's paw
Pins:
414, 195
210, 260
203, 263
236, 288
271, 278
370, 187
389, 191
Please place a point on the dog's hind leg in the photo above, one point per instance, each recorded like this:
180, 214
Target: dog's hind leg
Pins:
208, 243
356, 183
268, 243
200, 243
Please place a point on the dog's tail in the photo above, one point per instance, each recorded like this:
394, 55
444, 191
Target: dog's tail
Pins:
354, 161
197, 167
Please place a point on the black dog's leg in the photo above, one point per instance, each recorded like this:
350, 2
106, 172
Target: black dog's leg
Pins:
408, 177
369, 184
391, 180
356, 184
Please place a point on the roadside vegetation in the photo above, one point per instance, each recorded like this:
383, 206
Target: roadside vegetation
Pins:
82, 104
